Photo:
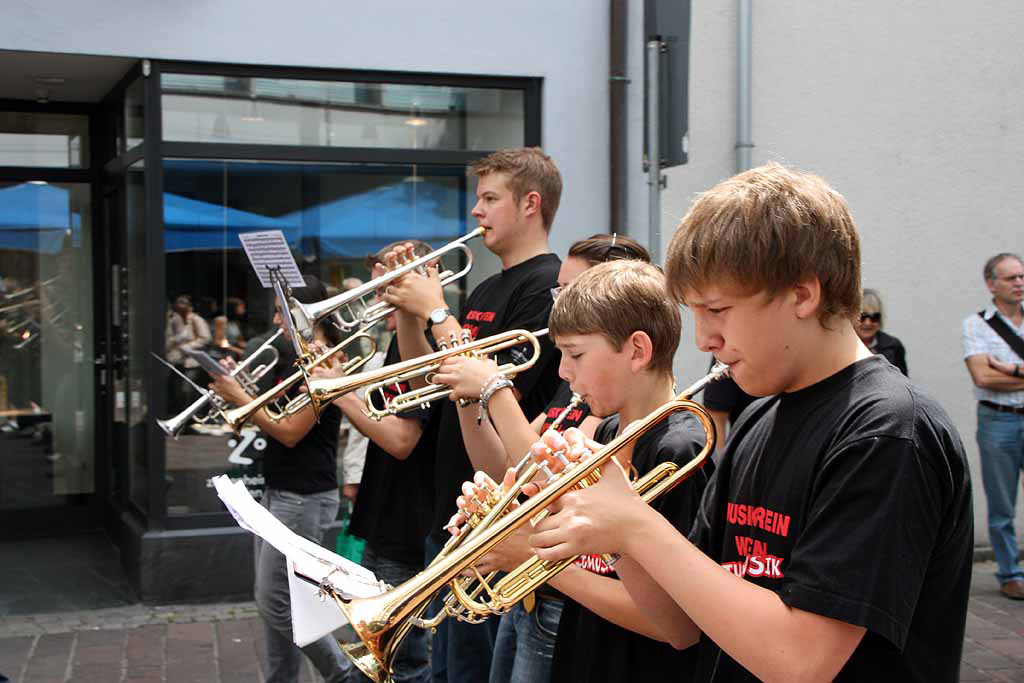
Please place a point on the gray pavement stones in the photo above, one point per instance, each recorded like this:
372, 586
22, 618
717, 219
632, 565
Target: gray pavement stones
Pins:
223, 643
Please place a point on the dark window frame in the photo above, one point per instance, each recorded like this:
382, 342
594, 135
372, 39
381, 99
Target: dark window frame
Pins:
155, 150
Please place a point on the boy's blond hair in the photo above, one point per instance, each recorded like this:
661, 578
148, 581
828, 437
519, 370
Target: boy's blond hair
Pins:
765, 230
616, 299
528, 169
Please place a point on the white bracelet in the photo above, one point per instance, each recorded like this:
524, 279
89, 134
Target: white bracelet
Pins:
494, 383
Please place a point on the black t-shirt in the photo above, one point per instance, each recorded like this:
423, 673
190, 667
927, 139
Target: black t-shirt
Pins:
589, 648
516, 298
311, 465
850, 499
396, 497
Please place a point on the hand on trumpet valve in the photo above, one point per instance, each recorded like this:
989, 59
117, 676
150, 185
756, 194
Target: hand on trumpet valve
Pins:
466, 375
417, 293
478, 497
596, 520
228, 388
558, 450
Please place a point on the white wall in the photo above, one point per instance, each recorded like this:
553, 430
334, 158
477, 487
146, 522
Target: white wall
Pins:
911, 110
566, 43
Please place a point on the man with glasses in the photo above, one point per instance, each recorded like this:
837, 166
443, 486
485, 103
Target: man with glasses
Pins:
994, 352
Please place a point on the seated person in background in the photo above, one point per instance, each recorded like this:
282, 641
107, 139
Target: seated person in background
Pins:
221, 346
618, 333
869, 329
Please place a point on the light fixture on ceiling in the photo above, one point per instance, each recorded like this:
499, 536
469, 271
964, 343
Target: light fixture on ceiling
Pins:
416, 119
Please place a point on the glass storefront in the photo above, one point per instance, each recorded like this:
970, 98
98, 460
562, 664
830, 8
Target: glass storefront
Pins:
47, 411
332, 215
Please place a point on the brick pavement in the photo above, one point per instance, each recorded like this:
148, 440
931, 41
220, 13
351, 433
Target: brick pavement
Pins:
224, 643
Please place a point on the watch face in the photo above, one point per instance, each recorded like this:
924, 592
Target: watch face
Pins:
439, 316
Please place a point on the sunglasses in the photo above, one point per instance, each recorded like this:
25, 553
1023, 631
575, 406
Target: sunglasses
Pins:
873, 317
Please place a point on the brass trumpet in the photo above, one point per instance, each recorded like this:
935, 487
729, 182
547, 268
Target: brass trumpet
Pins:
247, 376
237, 417
382, 621
352, 307
324, 390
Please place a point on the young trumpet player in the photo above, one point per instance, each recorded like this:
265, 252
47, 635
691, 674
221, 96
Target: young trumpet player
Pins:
618, 334
841, 508
299, 465
396, 493
525, 642
517, 197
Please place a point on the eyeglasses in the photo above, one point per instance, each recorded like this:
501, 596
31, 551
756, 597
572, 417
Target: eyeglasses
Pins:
555, 292
873, 317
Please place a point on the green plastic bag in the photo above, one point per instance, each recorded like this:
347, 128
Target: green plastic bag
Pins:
349, 547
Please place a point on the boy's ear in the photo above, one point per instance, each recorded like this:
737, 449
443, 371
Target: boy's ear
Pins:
641, 349
531, 203
807, 297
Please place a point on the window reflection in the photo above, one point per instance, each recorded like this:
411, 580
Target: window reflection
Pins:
201, 108
46, 379
332, 217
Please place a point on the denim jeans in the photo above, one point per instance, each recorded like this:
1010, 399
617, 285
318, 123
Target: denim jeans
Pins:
412, 661
309, 516
1001, 445
460, 652
526, 643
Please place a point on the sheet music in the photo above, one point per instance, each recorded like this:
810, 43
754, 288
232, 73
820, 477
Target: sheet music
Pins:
269, 248
309, 566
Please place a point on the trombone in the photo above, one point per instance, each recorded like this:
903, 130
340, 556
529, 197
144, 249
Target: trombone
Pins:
352, 307
249, 380
324, 390
382, 621
238, 416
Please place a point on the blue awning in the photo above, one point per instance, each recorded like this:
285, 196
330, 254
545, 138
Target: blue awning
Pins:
37, 217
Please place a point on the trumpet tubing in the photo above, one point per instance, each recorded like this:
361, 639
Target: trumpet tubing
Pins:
305, 316
323, 391
380, 621
237, 417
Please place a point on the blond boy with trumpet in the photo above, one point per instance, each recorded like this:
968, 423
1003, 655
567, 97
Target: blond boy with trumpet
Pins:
841, 509
617, 333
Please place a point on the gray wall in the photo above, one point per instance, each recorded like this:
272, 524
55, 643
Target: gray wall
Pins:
911, 110
563, 42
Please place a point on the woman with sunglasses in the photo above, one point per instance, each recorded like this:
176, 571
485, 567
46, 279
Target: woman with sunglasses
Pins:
869, 329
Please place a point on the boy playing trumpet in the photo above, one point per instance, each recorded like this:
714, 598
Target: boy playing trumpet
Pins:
841, 508
617, 333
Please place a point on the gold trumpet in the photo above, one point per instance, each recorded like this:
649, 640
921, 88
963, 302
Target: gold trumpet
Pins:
323, 390
237, 417
382, 621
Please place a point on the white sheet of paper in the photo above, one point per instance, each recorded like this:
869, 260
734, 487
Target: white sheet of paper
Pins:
269, 248
312, 617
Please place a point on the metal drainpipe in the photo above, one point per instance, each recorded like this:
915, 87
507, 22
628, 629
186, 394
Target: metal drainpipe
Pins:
617, 132
744, 67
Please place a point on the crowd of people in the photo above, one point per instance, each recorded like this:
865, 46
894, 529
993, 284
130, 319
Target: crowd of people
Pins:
839, 504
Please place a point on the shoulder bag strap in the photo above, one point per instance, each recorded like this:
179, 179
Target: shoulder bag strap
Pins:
1003, 330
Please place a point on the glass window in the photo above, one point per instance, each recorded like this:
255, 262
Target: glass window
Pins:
202, 108
332, 216
47, 403
54, 140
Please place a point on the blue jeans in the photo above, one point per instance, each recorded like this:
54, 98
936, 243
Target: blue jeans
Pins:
1001, 445
309, 516
412, 661
526, 643
461, 652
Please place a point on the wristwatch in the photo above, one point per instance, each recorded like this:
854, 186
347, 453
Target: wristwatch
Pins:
439, 315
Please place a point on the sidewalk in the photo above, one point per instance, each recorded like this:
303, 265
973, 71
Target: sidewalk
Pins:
224, 643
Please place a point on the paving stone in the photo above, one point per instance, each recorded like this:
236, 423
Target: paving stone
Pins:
49, 659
